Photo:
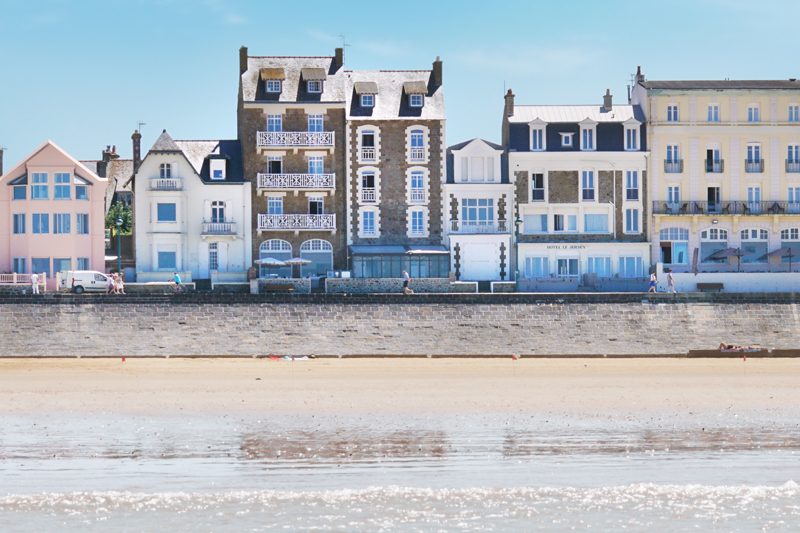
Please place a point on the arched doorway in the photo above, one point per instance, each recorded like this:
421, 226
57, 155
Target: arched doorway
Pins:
276, 249
320, 253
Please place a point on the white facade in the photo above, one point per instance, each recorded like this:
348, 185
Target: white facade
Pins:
184, 223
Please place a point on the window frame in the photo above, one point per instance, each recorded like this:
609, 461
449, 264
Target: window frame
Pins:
62, 223
673, 112
538, 138
274, 205
85, 195
753, 113
159, 220
713, 113
40, 186
314, 86
18, 222
631, 138
82, 224
793, 113
316, 123
632, 221
585, 189
588, 137
416, 100
632, 189
60, 186
42, 217
543, 188
367, 100
165, 171
271, 86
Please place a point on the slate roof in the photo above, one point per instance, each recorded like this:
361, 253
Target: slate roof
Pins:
575, 113
198, 152
721, 84
450, 158
391, 100
292, 89
459, 146
164, 143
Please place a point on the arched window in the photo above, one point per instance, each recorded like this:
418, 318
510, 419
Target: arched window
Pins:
320, 253
711, 241
674, 246
790, 238
755, 245
417, 145
275, 249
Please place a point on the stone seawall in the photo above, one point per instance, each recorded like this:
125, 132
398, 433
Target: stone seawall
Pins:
423, 324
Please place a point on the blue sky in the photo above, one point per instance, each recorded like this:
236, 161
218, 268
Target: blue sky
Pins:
84, 72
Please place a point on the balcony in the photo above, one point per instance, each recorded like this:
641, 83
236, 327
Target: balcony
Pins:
295, 139
368, 153
792, 166
417, 154
287, 222
726, 208
368, 195
674, 166
218, 228
754, 166
166, 184
417, 196
715, 166
296, 182
479, 227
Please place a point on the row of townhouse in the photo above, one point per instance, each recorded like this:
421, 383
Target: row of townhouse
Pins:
349, 171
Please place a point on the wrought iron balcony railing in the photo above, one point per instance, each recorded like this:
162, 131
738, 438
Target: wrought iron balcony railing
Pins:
296, 181
715, 166
792, 166
731, 207
673, 166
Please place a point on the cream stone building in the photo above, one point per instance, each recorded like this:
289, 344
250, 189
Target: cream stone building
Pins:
724, 172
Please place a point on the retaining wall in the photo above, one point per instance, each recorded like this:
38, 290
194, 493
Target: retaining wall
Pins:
394, 324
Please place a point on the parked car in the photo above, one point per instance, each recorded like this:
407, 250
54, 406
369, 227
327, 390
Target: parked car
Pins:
79, 281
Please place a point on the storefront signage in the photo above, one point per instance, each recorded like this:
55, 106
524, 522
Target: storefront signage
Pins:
566, 246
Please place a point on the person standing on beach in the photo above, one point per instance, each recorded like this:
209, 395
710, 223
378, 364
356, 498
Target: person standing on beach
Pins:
34, 283
653, 281
406, 279
670, 282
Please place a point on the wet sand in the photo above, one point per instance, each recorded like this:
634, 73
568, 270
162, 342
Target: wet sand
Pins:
395, 386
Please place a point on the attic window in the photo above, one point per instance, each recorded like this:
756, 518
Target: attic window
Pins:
217, 168
566, 139
367, 100
314, 86
273, 86
415, 100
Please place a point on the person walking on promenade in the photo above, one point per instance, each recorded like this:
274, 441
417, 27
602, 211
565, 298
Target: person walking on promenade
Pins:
406, 279
670, 282
112, 285
34, 283
653, 281
120, 286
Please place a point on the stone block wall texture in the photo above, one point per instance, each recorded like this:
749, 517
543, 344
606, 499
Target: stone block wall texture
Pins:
395, 324
301, 285
386, 285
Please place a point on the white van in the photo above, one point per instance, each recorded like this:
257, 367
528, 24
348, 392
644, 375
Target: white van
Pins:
79, 281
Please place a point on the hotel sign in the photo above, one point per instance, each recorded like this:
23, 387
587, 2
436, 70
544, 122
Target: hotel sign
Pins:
566, 246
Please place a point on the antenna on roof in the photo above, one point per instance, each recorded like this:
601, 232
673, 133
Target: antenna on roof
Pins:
140, 125
343, 41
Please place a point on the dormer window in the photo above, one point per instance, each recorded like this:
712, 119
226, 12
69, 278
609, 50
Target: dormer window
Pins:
367, 100
273, 86
631, 138
415, 100
566, 140
537, 139
314, 86
587, 136
217, 168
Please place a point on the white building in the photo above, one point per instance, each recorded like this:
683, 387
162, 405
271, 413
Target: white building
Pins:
477, 210
192, 212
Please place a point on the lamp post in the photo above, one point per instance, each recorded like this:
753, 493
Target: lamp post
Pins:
517, 222
119, 223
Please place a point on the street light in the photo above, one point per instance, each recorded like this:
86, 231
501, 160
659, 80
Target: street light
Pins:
120, 222
517, 222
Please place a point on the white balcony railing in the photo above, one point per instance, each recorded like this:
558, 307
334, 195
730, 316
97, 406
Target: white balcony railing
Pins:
21, 279
471, 227
296, 181
295, 138
368, 196
417, 195
219, 228
166, 184
417, 154
296, 222
368, 153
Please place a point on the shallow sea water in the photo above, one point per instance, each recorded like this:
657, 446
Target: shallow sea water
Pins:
712, 471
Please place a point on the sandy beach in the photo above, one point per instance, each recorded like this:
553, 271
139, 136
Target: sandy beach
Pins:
395, 386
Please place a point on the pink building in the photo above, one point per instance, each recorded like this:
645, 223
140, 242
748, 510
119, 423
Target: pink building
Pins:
53, 215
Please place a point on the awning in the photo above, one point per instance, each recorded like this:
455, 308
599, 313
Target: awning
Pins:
415, 87
313, 74
724, 254
399, 250
272, 74
366, 87
786, 251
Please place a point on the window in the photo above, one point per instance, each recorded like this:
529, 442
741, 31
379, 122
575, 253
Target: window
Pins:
415, 100
167, 260
368, 223
674, 198
314, 86
83, 263
587, 138
588, 185
273, 86
711, 241
672, 113
477, 211
631, 221
565, 222
673, 162
755, 245
166, 170
417, 145
631, 138
537, 139
277, 249
19, 223
274, 164
567, 267
39, 187
41, 265
213, 256
537, 267
753, 113
368, 191
20, 192
417, 223
217, 175
20, 265
674, 246
315, 123
754, 162
275, 205
790, 238
315, 164
537, 182
600, 266
794, 113
367, 100
81, 192
594, 223
714, 161
632, 185
166, 213
535, 224
793, 154
217, 212
368, 145
713, 113
61, 223
794, 200
62, 264
630, 267
274, 123
566, 140
41, 223
316, 205
753, 199
417, 186
61, 187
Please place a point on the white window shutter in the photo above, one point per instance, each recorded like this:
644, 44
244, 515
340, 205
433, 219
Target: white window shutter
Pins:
464, 168
228, 211
222, 256
490, 169
207, 211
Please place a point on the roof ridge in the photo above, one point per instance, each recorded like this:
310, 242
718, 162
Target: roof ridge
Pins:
290, 57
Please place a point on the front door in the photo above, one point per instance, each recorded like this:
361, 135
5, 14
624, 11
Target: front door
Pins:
481, 262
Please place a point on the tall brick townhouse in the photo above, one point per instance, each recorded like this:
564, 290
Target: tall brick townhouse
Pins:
395, 167
291, 123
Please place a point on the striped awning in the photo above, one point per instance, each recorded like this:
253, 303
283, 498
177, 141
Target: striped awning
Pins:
272, 74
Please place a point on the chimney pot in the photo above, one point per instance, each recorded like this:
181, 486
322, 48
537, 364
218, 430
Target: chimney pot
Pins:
437, 71
1, 161
338, 58
242, 59
607, 100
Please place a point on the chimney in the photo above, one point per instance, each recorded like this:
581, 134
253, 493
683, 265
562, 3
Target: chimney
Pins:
639, 75
338, 58
437, 71
509, 103
242, 59
607, 100
137, 148
102, 165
